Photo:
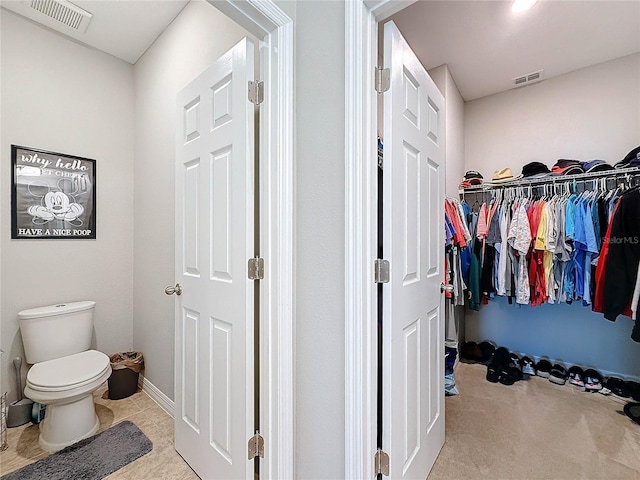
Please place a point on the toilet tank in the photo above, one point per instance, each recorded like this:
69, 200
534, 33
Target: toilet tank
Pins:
56, 331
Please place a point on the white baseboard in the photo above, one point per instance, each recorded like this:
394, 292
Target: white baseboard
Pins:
157, 396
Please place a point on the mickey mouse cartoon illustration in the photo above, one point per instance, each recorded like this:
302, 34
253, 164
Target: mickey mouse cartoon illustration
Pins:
56, 205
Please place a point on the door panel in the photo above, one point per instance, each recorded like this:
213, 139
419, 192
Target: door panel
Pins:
214, 240
413, 202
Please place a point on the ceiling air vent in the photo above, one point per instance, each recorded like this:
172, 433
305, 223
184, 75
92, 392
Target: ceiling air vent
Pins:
64, 12
528, 79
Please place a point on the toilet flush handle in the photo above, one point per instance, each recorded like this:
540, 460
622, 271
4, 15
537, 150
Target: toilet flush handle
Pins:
171, 290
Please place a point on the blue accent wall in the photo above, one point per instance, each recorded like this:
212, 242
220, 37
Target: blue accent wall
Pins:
572, 334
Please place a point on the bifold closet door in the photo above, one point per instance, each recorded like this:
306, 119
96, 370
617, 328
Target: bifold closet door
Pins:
214, 355
413, 210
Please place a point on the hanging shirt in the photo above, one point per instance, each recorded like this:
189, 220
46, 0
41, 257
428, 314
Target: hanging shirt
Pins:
536, 266
449, 230
463, 220
519, 237
483, 227
563, 244
570, 217
591, 250
503, 260
454, 216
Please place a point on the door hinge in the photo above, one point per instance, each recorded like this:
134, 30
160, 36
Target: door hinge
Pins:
381, 271
256, 268
256, 92
381, 463
383, 79
256, 446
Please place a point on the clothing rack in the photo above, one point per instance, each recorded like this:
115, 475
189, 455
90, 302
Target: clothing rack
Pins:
628, 174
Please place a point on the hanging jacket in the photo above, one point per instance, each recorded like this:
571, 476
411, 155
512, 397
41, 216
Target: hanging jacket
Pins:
621, 268
474, 278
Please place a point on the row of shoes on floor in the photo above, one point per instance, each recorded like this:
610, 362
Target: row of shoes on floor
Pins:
507, 368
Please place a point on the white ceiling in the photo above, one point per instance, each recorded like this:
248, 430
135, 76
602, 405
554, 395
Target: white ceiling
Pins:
122, 28
485, 45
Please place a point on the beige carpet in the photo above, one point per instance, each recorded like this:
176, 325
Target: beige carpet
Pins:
534, 430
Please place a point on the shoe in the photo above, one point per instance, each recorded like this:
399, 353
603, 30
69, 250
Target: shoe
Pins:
486, 352
514, 359
526, 364
576, 375
508, 376
634, 390
543, 367
469, 352
511, 373
499, 360
618, 387
632, 410
558, 375
592, 380
493, 373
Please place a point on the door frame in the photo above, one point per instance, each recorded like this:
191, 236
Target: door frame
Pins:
361, 223
274, 30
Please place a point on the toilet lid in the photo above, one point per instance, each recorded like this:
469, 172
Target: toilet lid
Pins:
68, 372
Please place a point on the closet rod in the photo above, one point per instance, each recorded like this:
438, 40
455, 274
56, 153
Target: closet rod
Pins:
552, 180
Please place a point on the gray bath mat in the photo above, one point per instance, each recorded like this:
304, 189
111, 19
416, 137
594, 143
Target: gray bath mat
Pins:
90, 459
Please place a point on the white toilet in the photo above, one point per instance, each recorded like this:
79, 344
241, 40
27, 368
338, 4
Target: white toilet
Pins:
65, 373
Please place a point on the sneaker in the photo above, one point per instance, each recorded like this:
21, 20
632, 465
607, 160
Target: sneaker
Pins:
514, 361
634, 390
592, 380
632, 410
543, 368
527, 366
512, 372
558, 375
576, 375
499, 360
618, 387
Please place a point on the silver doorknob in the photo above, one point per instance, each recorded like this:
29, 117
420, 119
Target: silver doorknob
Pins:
446, 288
171, 290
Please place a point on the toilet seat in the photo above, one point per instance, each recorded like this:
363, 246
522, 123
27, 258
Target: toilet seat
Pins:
70, 372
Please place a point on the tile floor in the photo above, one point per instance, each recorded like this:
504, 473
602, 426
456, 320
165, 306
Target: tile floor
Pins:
163, 462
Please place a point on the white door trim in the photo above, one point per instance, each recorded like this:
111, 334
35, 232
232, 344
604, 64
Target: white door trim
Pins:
274, 29
361, 57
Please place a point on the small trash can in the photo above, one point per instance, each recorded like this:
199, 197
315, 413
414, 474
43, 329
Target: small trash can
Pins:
126, 367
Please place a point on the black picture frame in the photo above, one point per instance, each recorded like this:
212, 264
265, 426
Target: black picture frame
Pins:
53, 195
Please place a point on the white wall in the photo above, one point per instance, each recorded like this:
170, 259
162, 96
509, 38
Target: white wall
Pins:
195, 39
175, 58
320, 252
590, 113
454, 128
453, 151
2, 192
61, 96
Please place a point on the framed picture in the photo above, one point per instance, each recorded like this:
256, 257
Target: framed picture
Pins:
52, 195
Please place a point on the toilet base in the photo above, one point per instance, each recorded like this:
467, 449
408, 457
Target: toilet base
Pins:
66, 424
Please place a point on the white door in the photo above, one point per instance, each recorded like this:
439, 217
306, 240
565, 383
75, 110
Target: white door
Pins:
214, 356
413, 327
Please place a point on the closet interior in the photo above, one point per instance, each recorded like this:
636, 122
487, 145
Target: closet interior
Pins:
550, 240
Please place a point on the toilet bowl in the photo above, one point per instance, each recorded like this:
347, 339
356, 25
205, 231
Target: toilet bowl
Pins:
66, 385
65, 371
